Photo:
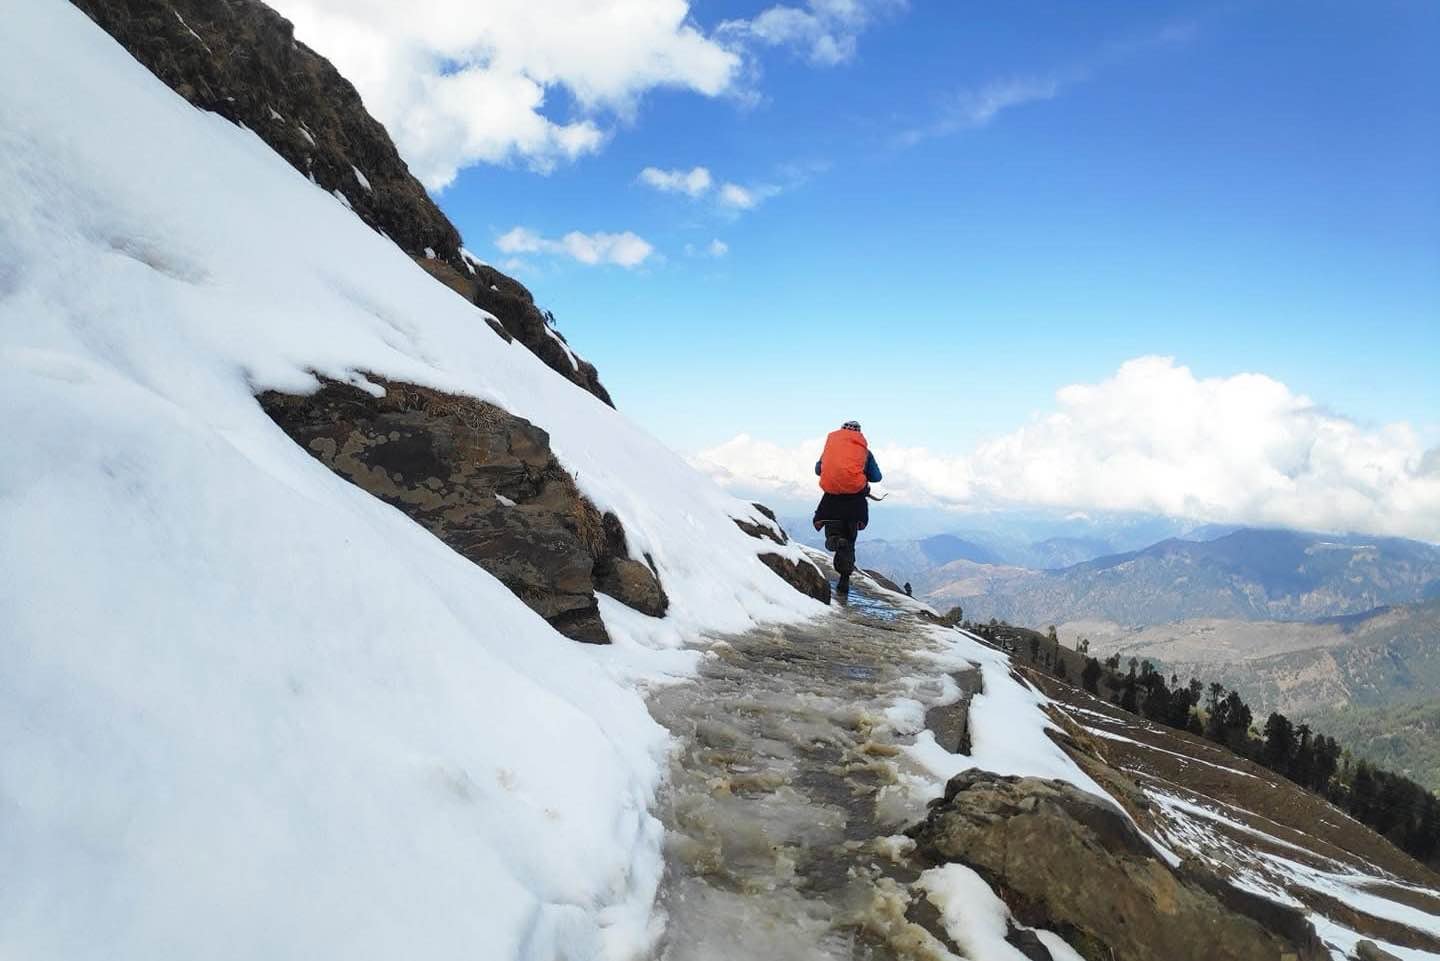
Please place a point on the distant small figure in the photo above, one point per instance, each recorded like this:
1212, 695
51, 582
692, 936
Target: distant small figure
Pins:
907, 590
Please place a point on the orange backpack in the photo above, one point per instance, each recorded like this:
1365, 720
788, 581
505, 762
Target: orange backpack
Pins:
842, 465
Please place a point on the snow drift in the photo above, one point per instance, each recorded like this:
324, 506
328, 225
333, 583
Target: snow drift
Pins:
248, 710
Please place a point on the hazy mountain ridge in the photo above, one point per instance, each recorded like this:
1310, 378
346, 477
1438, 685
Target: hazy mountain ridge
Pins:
1250, 574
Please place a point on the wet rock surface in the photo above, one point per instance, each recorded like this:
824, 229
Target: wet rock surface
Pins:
240, 59
786, 799
485, 483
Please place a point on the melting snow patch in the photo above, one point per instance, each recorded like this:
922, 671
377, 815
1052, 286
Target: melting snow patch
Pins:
340, 196
976, 919
504, 501
1007, 723
470, 260
429, 253
360, 177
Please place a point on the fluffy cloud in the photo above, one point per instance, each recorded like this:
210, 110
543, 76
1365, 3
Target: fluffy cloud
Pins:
1155, 438
694, 182
623, 249
738, 197
698, 181
458, 83
826, 32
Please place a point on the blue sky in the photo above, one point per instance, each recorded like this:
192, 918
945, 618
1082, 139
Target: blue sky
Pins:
1244, 187
956, 213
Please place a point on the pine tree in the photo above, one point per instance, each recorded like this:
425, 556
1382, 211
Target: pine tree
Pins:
1090, 676
1279, 743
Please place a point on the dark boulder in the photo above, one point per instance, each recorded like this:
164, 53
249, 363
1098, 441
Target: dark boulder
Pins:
483, 481
1071, 862
804, 576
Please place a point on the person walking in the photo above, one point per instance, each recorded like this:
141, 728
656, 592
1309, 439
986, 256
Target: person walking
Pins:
846, 469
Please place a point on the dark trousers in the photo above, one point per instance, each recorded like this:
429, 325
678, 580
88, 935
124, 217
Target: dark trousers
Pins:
840, 537
842, 517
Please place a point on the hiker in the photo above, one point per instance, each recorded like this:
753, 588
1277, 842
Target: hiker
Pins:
846, 470
907, 590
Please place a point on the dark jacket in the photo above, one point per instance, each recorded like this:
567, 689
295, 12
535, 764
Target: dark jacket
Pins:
851, 509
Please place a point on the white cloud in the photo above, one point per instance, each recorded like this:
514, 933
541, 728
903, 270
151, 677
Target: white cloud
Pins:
458, 83
694, 182
1156, 438
977, 107
698, 182
624, 249
734, 195
825, 32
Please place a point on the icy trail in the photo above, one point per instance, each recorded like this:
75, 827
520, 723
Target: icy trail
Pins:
788, 786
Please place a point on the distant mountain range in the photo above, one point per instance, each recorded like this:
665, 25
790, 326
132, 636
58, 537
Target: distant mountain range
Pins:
1248, 574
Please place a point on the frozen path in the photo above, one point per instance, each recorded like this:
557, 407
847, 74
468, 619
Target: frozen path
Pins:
788, 786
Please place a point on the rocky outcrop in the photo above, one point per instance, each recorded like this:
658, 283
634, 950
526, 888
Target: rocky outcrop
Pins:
883, 581
1068, 861
486, 483
950, 723
511, 302
801, 575
767, 528
1370, 951
240, 59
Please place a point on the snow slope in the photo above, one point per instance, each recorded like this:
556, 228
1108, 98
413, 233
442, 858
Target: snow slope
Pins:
246, 710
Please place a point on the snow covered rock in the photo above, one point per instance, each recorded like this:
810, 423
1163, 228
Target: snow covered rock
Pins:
513, 304
442, 459
1073, 863
240, 59
800, 574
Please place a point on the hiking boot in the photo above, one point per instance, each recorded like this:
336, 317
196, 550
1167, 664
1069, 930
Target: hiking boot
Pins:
843, 586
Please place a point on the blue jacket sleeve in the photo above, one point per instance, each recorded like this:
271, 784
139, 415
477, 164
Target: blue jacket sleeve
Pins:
817, 468
872, 469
